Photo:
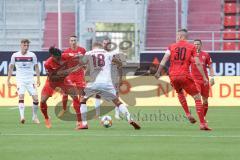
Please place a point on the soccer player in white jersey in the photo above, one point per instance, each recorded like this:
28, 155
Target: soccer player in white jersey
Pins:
99, 64
25, 62
116, 77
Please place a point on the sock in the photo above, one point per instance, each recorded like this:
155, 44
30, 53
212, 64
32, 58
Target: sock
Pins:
34, 110
205, 107
76, 104
97, 106
182, 100
199, 109
123, 109
64, 101
116, 111
21, 108
83, 109
44, 108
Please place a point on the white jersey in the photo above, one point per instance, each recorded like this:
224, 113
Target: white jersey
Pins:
100, 66
24, 66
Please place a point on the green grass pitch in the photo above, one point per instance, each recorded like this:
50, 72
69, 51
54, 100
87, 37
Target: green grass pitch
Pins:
165, 135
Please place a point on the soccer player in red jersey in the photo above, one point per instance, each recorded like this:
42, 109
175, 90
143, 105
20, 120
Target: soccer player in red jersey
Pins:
75, 78
206, 62
180, 54
57, 70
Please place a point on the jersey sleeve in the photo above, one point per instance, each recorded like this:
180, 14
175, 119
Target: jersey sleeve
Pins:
34, 59
194, 51
12, 61
209, 59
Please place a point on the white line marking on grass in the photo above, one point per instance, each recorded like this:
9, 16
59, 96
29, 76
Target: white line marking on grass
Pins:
118, 135
13, 108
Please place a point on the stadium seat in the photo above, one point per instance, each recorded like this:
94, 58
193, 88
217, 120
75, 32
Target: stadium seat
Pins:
229, 46
230, 34
230, 8
230, 21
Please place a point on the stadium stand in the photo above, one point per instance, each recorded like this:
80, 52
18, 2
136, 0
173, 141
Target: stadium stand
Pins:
20, 19
231, 24
51, 32
205, 17
68, 23
161, 23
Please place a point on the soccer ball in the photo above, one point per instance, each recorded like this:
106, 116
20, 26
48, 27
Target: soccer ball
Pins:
106, 121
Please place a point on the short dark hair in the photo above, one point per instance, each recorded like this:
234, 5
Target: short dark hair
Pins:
25, 41
183, 30
55, 51
198, 40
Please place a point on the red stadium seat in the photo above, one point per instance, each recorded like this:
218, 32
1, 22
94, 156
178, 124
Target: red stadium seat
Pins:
229, 46
230, 8
230, 21
230, 34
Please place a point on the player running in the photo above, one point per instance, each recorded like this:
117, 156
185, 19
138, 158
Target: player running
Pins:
25, 62
206, 62
57, 69
75, 78
100, 63
180, 55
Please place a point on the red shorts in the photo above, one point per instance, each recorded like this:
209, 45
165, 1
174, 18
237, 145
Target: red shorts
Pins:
204, 89
49, 87
184, 82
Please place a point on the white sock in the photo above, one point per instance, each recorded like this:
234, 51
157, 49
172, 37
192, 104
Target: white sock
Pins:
21, 110
34, 111
116, 111
97, 106
123, 109
83, 110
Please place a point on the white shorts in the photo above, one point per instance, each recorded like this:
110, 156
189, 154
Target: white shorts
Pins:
29, 86
106, 91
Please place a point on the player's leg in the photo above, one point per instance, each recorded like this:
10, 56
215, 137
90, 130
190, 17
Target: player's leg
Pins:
97, 105
21, 107
123, 109
117, 112
176, 83
35, 109
205, 95
205, 106
33, 92
47, 92
192, 90
64, 105
21, 88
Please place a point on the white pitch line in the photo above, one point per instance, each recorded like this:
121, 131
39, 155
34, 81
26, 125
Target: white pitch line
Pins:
13, 108
131, 135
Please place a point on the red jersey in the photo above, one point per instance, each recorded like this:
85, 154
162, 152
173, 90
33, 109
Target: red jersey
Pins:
180, 58
205, 60
51, 66
68, 54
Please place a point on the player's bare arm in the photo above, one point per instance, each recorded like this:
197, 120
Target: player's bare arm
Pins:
10, 70
38, 74
200, 68
212, 82
162, 64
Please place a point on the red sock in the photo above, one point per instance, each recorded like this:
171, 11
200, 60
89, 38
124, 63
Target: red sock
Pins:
76, 105
64, 101
199, 108
205, 107
182, 100
44, 108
